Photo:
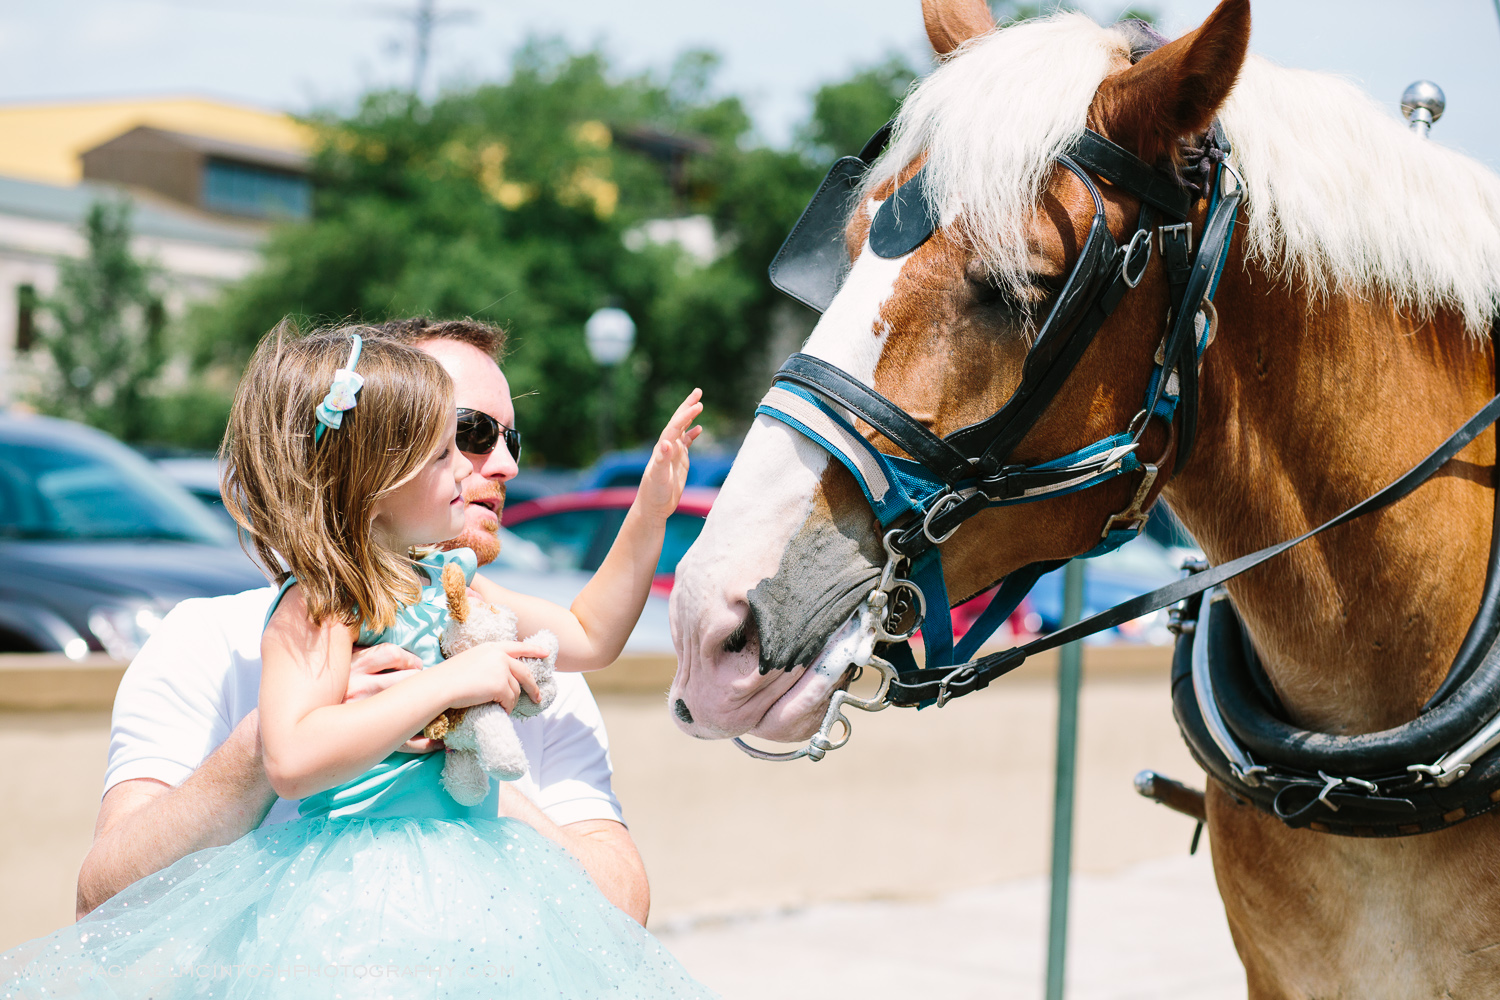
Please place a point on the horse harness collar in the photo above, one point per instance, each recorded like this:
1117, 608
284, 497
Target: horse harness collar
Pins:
1439, 769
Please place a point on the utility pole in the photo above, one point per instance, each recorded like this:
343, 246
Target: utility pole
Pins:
424, 19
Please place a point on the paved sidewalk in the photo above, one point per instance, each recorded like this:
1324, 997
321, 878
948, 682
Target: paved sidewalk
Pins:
1153, 932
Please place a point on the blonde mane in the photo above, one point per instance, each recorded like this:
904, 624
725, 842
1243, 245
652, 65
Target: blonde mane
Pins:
1340, 196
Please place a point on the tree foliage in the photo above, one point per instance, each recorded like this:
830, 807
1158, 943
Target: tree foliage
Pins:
102, 329
513, 202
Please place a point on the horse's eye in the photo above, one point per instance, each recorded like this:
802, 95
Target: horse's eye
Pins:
1028, 299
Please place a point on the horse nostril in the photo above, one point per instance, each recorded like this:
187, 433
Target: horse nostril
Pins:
736, 641
680, 709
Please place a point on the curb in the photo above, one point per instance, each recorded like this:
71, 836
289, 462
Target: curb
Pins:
50, 682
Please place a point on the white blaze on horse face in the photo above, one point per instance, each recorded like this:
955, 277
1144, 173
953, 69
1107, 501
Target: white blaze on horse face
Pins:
764, 502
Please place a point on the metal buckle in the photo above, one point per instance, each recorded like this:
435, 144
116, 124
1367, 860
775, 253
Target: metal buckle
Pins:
1133, 516
944, 695
1330, 783
1141, 236
1180, 230
943, 503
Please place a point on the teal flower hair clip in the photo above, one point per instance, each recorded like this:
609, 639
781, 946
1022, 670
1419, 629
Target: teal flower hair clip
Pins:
342, 395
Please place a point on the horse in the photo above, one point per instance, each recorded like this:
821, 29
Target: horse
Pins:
1352, 335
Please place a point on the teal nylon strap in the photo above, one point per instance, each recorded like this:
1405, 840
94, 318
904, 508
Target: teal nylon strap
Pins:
897, 487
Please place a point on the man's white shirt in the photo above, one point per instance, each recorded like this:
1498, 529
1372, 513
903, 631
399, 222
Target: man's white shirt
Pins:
198, 676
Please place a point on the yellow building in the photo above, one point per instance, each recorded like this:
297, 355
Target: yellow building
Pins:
207, 179
46, 141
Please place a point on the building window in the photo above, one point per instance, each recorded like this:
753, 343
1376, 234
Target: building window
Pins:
245, 189
25, 317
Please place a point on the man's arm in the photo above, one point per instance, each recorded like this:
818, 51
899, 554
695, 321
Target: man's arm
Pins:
602, 846
145, 825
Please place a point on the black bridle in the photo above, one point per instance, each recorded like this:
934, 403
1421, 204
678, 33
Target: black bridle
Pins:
947, 480
1437, 770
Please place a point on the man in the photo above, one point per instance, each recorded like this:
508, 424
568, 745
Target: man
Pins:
185, 769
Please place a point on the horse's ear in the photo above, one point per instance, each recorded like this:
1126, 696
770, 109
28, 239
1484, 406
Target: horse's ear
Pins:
1176, 90
950, 23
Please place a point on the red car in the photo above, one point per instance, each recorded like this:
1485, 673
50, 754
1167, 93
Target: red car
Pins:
577, 529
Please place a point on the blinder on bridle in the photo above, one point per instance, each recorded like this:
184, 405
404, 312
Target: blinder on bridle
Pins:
814, 259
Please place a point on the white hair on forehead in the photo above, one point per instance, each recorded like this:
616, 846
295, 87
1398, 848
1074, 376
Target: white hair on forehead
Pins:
992, 120
1341, 197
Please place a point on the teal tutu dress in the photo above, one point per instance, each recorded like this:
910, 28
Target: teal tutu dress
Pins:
384, 888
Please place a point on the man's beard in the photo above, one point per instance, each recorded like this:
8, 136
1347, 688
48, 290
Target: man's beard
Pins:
482, 539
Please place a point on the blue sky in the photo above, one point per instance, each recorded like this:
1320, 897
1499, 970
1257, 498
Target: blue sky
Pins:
296, 54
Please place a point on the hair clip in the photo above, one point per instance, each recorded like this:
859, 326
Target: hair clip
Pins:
342, 395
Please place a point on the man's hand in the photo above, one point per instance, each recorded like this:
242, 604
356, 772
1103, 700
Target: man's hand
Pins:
602, 846
372, 669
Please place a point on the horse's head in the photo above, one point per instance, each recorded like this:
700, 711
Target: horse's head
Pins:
943, 332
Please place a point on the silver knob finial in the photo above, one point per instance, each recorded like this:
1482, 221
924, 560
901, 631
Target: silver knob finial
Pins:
1423, 104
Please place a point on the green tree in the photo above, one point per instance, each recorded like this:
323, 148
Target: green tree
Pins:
516, 202
845, 114
103, 330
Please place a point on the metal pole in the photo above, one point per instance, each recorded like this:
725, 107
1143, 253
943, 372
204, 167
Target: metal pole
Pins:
607, 411
1069, 674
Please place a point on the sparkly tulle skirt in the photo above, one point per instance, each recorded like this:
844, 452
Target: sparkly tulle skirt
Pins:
356, 907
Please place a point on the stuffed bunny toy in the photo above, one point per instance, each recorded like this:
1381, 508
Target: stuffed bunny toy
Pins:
481, 740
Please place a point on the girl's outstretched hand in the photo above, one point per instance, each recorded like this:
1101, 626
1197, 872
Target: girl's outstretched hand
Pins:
666, 472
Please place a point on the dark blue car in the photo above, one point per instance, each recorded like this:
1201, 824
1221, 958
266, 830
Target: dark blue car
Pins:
625, 468
96, 544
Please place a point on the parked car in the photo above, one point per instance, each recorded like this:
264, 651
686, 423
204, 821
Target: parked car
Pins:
575, 530
532, 483
624, 468
200, 477
1139, 566
98, 544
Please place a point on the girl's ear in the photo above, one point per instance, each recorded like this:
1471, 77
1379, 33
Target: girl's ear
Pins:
1175, 91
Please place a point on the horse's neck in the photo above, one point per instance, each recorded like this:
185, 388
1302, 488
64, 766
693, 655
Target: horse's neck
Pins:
1307, 410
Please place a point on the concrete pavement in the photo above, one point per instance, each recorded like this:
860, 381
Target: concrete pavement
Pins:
1155, 931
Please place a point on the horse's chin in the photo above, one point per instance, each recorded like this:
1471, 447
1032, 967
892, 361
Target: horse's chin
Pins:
797, 714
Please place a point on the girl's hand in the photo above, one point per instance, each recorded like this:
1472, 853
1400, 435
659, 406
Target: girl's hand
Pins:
491, 671
666, 472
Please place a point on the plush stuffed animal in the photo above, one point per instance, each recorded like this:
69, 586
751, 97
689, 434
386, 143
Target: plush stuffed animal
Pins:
481, 739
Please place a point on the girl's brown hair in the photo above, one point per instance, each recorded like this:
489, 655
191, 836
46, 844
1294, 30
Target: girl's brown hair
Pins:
309, 504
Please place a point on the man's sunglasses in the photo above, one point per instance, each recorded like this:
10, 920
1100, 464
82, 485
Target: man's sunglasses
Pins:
478, 433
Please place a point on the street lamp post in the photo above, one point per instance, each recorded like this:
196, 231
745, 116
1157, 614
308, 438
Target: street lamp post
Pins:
609, 334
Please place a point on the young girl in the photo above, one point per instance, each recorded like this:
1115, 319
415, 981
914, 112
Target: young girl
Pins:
341, 460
